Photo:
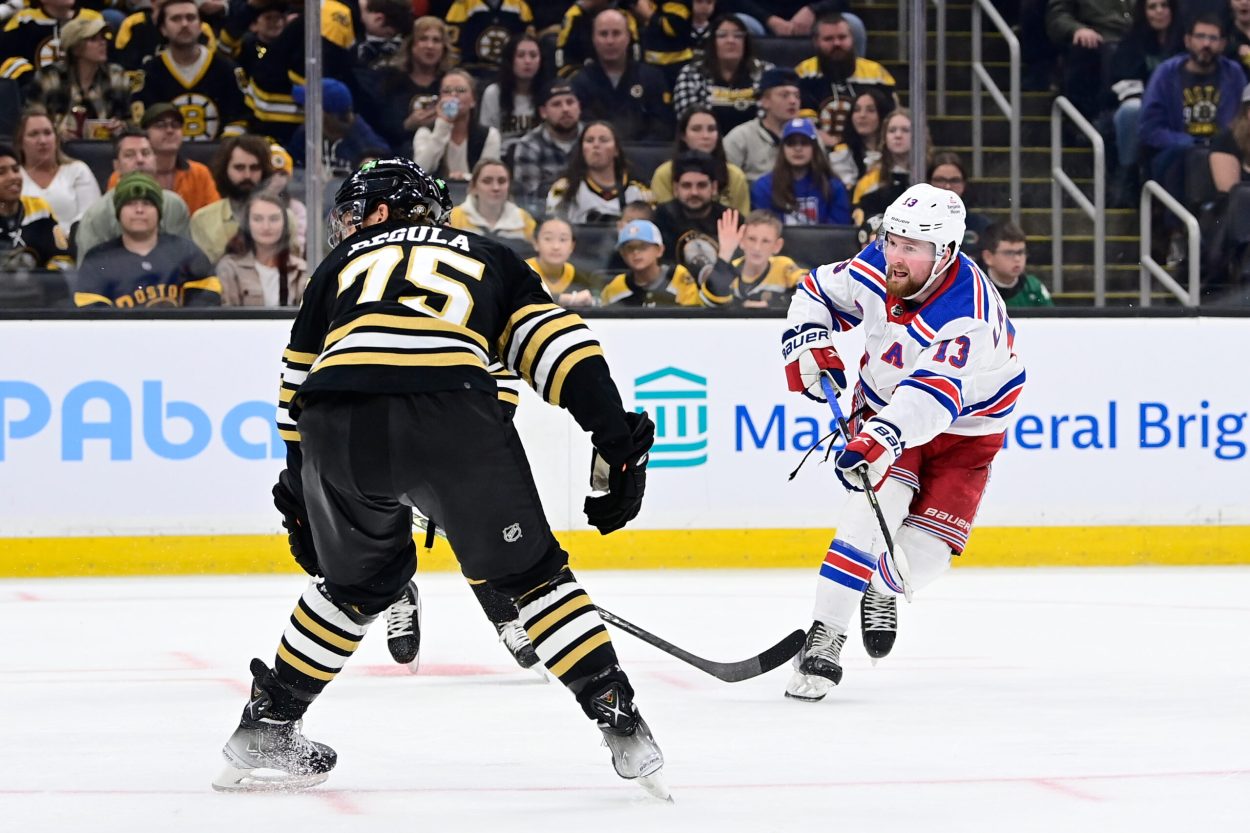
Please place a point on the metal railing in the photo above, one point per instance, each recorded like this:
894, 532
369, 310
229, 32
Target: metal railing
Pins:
910, 19
1096, 210
1010, 105
1150, 192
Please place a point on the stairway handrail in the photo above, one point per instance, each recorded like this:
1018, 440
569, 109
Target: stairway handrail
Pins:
1149, 266
1010, 107
1096, 210
906, 10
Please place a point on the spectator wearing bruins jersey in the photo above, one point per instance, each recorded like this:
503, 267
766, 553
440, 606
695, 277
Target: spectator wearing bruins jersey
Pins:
553, 246
29, 235
648, 283
272, 72
31, 39
139, 38
481, 28
831, 80
574, 44
667, 39
202, 83
762, 278
145, 267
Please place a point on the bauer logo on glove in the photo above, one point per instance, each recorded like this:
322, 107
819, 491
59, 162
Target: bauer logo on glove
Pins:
872, 451
808, 352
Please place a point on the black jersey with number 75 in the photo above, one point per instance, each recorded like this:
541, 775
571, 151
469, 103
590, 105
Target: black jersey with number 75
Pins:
401, 308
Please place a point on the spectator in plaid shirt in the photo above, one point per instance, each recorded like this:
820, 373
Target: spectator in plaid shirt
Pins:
540, 157
725, 79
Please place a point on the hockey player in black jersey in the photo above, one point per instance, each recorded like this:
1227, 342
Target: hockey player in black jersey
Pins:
386, 403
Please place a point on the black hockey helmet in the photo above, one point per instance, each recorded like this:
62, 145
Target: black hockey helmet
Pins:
410, 192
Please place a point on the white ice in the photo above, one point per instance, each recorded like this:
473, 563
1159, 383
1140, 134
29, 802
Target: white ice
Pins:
1050, 700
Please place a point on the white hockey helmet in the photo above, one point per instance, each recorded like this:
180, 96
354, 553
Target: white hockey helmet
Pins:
926, 212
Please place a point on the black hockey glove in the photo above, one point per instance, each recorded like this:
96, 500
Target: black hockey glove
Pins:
623, 473
295, 521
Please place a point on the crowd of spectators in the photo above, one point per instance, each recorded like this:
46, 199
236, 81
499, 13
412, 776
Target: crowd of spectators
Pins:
639, 153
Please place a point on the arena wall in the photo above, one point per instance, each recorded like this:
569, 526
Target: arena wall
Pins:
147, 447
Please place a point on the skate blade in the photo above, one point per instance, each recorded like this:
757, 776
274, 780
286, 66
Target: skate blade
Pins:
541, 672
807, 688
414, 665
655, 786
236, 779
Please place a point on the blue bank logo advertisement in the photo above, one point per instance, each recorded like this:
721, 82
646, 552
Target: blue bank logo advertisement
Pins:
677, 401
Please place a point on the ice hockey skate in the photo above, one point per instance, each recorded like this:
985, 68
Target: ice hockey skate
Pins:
878, 623
818, 666
267, 754
517, 641
403, 628
635, 754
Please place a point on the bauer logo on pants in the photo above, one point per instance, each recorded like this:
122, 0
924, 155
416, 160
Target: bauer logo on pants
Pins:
677, 402
512, 533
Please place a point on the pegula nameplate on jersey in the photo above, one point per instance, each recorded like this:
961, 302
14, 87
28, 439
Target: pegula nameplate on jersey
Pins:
412, 234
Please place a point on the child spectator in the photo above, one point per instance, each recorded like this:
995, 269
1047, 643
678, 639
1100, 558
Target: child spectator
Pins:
554, 242
487, 209
802, 190
647, 283
1005, 254
762, 278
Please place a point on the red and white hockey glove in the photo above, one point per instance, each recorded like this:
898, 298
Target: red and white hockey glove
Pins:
872, 450
808, 351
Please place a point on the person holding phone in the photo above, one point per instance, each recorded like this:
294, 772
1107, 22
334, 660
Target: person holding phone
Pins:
457, 141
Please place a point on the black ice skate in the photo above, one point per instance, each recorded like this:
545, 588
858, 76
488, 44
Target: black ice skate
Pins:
517, 641
266, 753
403, 628
635, 754
878, 623
818, 666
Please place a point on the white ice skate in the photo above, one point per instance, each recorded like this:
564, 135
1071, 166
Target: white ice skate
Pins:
635, 754
817, 668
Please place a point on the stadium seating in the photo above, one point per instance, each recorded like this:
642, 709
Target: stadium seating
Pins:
594, 245
1199, 187
784, 52
98, 156
812, 246
644, 158
10, 108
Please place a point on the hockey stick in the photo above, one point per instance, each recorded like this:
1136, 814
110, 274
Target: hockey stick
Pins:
831, 395
730, 672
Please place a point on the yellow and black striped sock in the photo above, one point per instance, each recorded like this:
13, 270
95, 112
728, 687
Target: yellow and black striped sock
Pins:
317, 642
567, 633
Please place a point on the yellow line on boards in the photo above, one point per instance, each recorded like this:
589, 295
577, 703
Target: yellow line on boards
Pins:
646, 549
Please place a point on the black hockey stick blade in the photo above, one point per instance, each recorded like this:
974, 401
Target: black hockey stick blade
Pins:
730, 672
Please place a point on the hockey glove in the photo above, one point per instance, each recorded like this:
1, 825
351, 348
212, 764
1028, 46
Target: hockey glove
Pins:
872, 450
295, 520
808, 351
623, 473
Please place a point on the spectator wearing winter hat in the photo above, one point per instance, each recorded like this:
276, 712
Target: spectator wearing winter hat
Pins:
145, 267
802, 189
345, 134
753, 146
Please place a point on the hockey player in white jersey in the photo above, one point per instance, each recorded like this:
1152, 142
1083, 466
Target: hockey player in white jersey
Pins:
938, 377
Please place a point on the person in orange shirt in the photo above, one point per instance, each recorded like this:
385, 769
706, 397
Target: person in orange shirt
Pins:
191, 180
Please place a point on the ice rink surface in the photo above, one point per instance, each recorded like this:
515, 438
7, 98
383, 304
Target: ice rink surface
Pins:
1050, 700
